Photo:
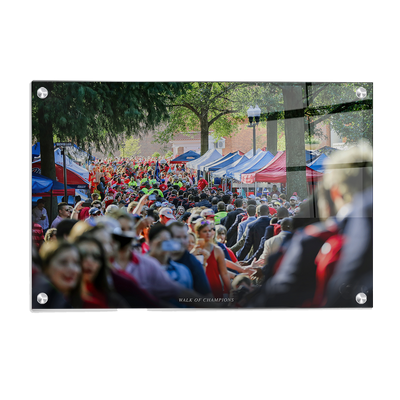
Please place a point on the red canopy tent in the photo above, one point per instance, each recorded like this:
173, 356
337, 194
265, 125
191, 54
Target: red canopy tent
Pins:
72, 178
275, 172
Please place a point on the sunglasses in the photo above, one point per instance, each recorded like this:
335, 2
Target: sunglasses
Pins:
95, 256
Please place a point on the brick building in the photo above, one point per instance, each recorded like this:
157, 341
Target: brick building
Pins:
242, 140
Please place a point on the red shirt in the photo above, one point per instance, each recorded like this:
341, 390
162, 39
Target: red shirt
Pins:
202, 184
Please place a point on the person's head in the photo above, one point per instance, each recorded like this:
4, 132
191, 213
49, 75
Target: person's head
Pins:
78, 229
251, 202
40, 204
282, 196
126, 221
192, 241
282, 212
230, 207
64, 228
61, 264
64, 210
226, 198
95, 212
93, 261
287, 224
347, 173
264, 210
220, 233
208, 214
157, 235
293, 201
251, 210
203, 230
50, 235
96, 203
132, 205
95, 196
166, 215
102, 179
214, 201
238, 203
274, 220
179, 232
103, 235
193, 219
221, 206
111, 209
274, 188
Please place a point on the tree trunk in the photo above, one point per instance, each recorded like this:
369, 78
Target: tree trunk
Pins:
48, 167
204, 134
272, 136
295, 145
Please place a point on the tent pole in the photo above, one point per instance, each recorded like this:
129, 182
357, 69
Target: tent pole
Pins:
51, 204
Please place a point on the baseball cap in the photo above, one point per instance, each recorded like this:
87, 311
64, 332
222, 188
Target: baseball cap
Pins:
167, 212
94, 211
263, 199
274, 196
252, 196
293, 198
208, 212
164, 204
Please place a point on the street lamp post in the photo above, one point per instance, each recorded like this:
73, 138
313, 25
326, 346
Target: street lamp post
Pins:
254, 114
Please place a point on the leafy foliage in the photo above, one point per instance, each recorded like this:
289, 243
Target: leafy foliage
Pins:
156, 154
132, 147
99, 112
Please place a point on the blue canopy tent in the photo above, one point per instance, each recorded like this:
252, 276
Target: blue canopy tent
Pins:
246, 165
258, 164
319, 164
36, 150
311, 156
208, 157
204, 167
46, 187
186, 157
222, 171
224, 163
213, 156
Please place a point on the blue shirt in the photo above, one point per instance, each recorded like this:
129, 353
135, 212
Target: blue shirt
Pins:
243, 225
180, 273
200, 281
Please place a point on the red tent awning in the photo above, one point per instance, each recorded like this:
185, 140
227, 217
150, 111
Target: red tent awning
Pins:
72, 177
56, 192
275, 172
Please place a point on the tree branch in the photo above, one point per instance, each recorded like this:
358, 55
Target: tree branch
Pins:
186, 105
226, 90
220, 115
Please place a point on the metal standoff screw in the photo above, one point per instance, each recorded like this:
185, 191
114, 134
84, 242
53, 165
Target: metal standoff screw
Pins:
361, 93
42, 93
42, 298
361, 298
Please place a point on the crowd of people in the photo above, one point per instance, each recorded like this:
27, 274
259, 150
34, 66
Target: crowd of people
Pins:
153, 235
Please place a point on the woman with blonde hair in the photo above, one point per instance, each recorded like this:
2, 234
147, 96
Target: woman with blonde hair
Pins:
216, 267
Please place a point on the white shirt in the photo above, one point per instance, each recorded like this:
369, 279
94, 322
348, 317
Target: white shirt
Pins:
36, 217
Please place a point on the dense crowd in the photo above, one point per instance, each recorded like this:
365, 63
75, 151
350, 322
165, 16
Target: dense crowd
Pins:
153, 235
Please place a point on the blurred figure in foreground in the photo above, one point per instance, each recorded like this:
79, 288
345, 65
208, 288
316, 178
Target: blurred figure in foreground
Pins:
321, 251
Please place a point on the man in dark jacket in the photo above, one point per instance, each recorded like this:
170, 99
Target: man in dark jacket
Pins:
256, 231
203, 201
231, 217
